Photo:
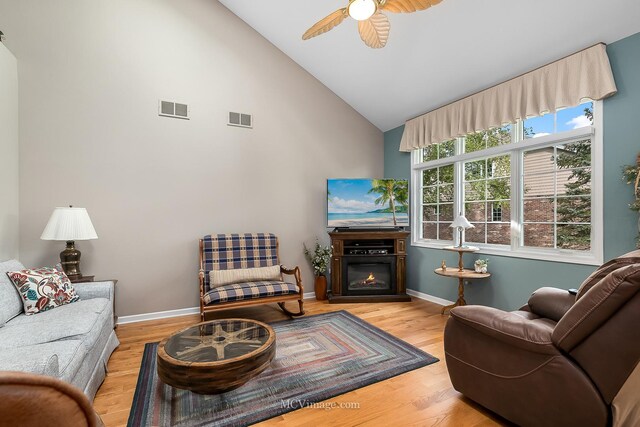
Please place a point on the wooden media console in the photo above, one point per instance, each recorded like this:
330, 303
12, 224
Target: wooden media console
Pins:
368, 266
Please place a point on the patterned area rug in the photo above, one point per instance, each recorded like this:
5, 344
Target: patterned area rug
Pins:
317, 357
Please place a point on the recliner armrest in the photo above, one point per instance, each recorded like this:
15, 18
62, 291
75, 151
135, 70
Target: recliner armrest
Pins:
530, 335
551, 303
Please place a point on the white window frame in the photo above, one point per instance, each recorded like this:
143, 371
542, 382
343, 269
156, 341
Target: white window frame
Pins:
516, 249
495, 210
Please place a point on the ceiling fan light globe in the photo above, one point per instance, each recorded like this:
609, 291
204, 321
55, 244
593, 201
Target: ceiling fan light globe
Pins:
361, 10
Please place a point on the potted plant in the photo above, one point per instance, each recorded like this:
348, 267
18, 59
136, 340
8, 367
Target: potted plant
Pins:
631, 175
481, 265
319, 259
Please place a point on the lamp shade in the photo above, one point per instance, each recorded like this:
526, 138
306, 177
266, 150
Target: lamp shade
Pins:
69, 224
461, 221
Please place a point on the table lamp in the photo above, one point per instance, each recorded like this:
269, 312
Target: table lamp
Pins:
69, 224
461, 223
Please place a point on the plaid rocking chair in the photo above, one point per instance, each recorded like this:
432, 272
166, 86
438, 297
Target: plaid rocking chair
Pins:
231, 266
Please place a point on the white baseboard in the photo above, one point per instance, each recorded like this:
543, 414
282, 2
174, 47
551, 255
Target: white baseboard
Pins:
122, 320
427, 297
158, 315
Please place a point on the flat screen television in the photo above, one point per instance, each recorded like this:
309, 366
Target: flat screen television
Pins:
367, 203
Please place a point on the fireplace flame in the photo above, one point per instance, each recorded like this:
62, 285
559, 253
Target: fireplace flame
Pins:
371, 278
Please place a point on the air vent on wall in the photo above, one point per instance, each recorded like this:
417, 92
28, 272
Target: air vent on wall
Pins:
240, 119
173, 109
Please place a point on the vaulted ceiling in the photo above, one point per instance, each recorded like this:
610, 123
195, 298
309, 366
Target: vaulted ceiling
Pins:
437, 55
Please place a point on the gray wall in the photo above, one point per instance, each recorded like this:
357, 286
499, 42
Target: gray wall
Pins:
514, 279
91, 74
8, 154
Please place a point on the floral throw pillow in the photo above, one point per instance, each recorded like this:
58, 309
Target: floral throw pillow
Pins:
43, 288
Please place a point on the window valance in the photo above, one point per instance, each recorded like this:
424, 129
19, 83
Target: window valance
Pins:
563, 83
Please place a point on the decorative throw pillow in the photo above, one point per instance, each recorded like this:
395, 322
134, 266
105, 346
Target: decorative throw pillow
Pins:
43, 288
228, 277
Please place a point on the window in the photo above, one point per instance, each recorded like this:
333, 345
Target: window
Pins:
487, 186
496, 212
557, 196
530, 189
437, 193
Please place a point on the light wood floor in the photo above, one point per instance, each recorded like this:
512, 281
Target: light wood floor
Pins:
423, 397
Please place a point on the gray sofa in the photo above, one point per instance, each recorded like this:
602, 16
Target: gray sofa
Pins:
72, 342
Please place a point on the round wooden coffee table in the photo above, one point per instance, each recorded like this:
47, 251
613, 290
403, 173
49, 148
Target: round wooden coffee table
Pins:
217, 356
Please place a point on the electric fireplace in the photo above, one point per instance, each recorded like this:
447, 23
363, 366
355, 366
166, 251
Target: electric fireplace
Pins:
369, 275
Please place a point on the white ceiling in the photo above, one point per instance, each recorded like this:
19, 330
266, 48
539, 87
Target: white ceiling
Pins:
437, 55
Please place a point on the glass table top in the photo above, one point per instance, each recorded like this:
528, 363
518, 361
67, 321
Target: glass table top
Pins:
217, 340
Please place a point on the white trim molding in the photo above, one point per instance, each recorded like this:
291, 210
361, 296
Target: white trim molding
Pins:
135, 318
430, 298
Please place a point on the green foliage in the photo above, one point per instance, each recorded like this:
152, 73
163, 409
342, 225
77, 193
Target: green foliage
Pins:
631, 175
319, 258
488, 179
392, 192
487, 139
401, 192
576, 157
528, 132
439, 151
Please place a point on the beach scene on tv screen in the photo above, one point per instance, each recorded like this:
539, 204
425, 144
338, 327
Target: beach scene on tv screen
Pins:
367, 203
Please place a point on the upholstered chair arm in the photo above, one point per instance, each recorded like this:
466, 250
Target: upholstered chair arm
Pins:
551, 303
295, 272
529, 335
59, 403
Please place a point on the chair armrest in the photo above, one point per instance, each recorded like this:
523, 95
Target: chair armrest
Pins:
89, 290
201, 274
295, 272
508, 328
551, 303
64, 404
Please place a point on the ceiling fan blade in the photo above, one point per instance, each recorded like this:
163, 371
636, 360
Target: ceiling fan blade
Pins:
325, 24
374, 31
407, 6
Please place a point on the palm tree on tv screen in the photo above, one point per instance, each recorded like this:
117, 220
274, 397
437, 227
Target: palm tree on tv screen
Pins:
392, 192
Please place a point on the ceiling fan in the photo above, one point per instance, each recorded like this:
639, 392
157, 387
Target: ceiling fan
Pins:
373, 25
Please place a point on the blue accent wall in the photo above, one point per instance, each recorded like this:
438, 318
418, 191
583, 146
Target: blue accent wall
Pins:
514, 279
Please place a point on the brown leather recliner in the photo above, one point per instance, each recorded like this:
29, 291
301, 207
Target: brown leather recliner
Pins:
30, 400
561, 360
